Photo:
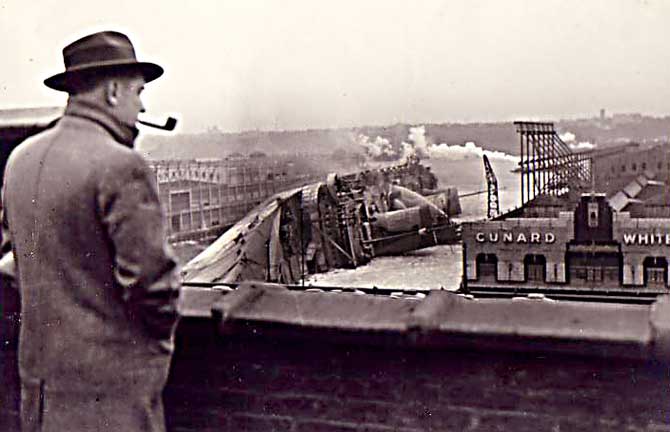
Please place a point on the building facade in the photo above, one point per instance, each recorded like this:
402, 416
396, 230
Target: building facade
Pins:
204, 197
590, 248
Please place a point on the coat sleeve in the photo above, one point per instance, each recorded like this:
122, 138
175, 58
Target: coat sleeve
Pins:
144, 265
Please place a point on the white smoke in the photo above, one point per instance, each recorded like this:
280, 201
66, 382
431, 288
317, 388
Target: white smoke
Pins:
567, 137
406, 151
418, 145
379, 148
583, 145
469, 150
570, 139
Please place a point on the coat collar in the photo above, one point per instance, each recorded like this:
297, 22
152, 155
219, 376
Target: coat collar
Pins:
98, 114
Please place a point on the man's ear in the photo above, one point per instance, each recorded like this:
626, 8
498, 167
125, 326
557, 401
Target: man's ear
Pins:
112, 92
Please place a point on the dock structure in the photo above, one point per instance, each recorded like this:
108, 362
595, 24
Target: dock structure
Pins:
203, 198
594, 223
547, 164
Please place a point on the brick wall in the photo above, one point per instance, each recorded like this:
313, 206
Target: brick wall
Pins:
257, 384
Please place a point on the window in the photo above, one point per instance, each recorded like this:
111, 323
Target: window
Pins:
176, 226
594, 274
580, 273
180, 201
589, 273
593, 214
534, 266
487, 266
655, 276
655, 271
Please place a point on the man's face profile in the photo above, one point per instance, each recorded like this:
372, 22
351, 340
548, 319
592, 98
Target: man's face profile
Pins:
129, 103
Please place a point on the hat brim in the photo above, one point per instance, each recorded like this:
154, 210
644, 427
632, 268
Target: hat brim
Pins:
71, 79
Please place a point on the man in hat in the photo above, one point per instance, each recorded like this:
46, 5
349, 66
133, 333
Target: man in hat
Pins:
97, 279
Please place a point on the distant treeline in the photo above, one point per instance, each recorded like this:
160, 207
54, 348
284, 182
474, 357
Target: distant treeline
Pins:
491, 136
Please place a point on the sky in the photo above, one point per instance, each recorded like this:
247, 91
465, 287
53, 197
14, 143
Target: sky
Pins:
299, 64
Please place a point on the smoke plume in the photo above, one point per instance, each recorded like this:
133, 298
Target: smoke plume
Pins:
418, 145
466, 151
570, 139
378, 149
381, 149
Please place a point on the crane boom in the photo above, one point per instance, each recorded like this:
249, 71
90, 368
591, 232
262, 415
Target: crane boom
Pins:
493, 206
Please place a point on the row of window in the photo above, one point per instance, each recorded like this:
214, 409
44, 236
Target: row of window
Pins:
655, 270
196, 220
194, 198
642, 166
271, 179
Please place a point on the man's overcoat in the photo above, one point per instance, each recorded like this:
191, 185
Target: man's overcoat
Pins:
98, 282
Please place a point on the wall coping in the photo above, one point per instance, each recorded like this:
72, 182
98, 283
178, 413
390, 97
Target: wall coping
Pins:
442, 319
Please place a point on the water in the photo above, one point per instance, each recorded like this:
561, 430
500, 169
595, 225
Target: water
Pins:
438, 267
468, 175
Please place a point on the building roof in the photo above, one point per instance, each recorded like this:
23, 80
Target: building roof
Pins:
23, 117
619, 201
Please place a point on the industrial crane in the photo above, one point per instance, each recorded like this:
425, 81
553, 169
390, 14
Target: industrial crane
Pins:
493, 206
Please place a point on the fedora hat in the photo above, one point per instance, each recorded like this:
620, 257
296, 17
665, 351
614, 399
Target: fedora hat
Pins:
96, 55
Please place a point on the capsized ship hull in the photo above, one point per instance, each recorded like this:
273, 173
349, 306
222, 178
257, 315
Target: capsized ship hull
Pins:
342, 222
